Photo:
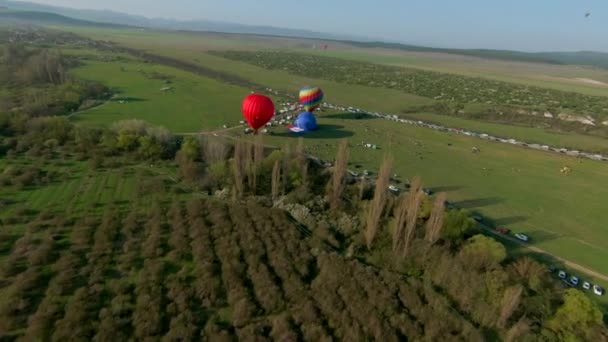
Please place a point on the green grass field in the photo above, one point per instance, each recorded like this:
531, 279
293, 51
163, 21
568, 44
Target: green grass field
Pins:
193, 103
518, 188
362, 96
557, 77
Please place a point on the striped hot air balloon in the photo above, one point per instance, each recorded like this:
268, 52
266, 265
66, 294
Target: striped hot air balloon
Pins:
311, 98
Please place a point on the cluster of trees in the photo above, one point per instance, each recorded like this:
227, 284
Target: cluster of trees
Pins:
207, 269
210, 269
439, 86
35, 82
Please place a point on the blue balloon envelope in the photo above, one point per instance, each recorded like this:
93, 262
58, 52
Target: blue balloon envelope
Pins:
305, 122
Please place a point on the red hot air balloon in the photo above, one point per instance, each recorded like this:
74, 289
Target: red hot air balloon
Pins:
257, 110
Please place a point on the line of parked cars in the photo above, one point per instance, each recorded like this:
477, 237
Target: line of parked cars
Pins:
503, 230
574, 281
570, 281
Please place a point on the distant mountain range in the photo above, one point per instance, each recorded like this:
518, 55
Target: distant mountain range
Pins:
117, 18
36, 13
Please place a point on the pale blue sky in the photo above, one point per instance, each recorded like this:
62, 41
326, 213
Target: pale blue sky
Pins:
531, 25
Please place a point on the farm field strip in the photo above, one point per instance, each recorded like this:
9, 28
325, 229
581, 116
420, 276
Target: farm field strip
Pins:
438, 86
558, 77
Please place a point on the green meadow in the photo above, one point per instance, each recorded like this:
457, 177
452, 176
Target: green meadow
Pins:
516, 187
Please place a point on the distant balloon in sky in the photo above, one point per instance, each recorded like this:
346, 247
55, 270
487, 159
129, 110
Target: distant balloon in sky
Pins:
257, 110
587, 15
311, 98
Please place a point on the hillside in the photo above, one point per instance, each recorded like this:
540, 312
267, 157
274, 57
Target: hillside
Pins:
42, 18
116, 18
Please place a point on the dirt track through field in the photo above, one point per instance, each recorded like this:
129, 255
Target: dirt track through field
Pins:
193, 68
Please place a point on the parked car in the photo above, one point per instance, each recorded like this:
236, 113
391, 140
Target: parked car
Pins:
587, 285
503, 230
562, 274
598, 290
522, 237
427, 192
393, 188
477, 218
574, 280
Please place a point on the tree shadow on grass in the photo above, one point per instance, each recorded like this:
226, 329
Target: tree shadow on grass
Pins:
127, 99
510, 220
539, 236
447, 188
348, 116
477, 203
324, 132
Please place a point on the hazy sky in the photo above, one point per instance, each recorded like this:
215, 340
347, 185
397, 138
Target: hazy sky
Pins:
531, 25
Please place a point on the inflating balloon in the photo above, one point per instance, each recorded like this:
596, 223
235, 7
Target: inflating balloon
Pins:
257, 110
305, 122
311, 98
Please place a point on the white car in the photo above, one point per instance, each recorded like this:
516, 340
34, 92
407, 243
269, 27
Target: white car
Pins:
587, 285
562, 274
598, 290
393, 188
574, 280
522, 237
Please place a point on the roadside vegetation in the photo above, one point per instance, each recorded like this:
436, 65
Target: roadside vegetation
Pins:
35, 81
